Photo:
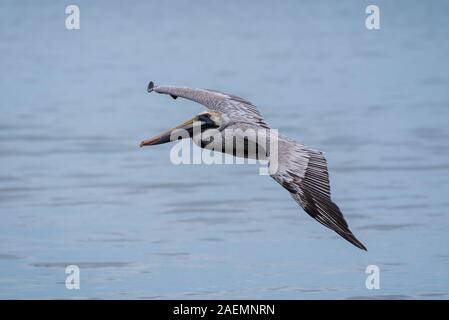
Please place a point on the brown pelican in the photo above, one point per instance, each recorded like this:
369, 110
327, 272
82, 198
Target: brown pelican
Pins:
300, 170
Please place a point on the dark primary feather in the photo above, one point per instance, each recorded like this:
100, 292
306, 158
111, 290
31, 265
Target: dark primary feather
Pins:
304, 174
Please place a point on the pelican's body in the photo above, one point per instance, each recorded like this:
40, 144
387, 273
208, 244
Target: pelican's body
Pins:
299, 169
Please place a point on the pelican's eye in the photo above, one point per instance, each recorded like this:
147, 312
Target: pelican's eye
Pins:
207, 121
204, 117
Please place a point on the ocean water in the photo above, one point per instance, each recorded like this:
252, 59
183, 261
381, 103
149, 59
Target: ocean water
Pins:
75, 188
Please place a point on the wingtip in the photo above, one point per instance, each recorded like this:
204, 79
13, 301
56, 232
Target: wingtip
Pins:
356, 242
150, 86
351, 238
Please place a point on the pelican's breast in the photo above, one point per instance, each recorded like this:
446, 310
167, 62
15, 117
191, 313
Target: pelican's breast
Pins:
239, 143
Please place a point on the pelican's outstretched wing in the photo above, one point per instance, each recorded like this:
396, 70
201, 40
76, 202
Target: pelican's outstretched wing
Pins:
303, 172
236, 108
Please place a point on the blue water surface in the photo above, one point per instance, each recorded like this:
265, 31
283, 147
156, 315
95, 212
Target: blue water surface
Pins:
75, 188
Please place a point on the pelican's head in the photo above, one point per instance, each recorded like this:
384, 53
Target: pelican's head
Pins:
203, 121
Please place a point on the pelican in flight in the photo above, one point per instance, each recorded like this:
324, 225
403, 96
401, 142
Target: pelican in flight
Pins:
300, 170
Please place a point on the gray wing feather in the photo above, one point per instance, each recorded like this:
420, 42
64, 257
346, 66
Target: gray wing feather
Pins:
236, 108
303, 172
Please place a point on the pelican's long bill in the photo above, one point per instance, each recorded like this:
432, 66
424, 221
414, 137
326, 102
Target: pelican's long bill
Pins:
202, 122
165, 136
